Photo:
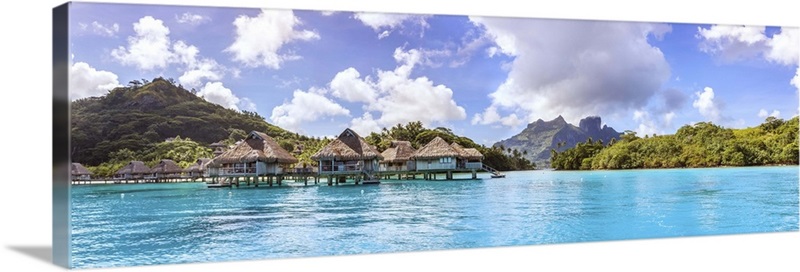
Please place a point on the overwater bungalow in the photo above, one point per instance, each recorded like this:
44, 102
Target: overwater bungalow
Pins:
197, 169
80, 173
469, 158
135, 170
348, 154
256, 155
398, 157
436, 155
166, 170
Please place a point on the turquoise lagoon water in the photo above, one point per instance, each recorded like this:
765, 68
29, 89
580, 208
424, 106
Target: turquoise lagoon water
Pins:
138, 224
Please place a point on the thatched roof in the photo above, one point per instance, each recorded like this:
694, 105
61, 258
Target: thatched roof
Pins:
198, 166
256, 147
79, 170
399, 151
467, 153
166, 167
436, 148
348, 146
134, 167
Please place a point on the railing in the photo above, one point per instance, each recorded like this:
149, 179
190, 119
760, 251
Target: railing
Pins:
130, 176
397, 168
449, 166
341, 168
306, 170
491, 170
237, 170
169, 175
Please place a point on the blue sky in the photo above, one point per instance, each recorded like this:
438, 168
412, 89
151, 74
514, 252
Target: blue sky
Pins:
317, 73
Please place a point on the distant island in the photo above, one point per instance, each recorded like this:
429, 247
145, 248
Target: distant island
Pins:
774, 142
540, 137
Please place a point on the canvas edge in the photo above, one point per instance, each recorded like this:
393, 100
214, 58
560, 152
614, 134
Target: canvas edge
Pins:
61, 160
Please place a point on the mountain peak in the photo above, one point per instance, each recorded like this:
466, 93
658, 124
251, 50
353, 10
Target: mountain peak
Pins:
590, 124
542, 136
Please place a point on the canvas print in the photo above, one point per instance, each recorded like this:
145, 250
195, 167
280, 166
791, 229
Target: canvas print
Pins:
205, 134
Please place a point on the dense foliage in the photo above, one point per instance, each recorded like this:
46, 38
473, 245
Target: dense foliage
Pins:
701, 145
418, 135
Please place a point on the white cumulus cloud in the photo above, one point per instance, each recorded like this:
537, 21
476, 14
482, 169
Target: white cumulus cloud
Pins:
365, 124
197, 70
86, 81
217, 93
260, 39
741, 42
647, 125
385, 23
707, 106
574, 68
732, 42
491, 116
763, 113
348, 86
399, 98
247, 104
149, 48
785, 47
152, 48
389, 98
305, 106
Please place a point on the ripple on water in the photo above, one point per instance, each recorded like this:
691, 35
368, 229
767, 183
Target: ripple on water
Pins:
176, 223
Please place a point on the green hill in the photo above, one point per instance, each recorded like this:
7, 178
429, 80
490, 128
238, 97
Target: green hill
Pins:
139, 116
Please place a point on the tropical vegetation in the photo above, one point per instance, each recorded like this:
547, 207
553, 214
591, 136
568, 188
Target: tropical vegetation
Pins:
774, 142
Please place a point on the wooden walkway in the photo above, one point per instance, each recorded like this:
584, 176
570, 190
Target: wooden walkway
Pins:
306, 177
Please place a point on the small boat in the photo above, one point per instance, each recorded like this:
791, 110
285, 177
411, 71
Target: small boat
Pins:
498, 175
373, 181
